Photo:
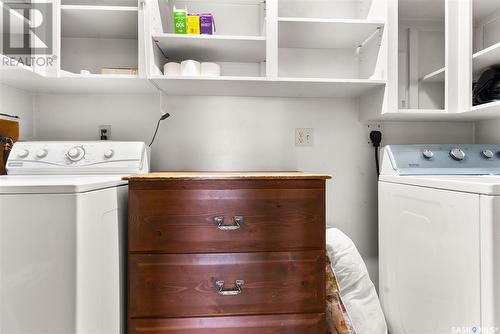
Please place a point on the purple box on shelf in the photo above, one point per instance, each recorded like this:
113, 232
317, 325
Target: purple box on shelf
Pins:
207, 24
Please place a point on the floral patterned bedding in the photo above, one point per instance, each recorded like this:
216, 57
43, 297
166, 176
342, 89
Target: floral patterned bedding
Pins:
337, 319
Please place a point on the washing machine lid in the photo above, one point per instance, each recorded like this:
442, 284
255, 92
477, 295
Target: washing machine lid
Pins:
57, 184
478, 184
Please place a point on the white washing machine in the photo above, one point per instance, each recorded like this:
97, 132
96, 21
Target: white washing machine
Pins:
439, 238
63, 210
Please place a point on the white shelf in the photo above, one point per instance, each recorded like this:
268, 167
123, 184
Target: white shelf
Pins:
313, 33
129, 3
224, 2
485, 58
26, 79
436, 76
213, 47
484, 111
481, 112
416, 115
259, 86
99, 21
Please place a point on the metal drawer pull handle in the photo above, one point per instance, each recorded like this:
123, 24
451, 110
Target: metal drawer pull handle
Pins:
219, 221
229, 292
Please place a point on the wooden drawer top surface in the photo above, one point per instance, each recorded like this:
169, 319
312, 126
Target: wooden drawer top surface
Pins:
227, 176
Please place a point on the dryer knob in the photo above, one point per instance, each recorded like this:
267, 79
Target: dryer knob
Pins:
428, 154
457, 154
23, 153
42, 153
109, 153
76, 153
488, 154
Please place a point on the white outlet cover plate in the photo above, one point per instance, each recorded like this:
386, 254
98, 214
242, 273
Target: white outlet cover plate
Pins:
372, 127
106, 127
304, 137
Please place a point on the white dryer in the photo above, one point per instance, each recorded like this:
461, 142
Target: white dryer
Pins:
63, 210
439, 238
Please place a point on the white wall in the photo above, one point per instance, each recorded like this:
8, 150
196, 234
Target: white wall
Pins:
14, 101
217, 133
487, 132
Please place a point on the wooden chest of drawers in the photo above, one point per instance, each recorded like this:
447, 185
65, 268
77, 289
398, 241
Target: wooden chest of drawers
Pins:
226, 253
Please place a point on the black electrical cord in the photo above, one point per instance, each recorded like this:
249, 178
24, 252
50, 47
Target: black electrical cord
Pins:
377, 163
376, 139
10, 116
163, 117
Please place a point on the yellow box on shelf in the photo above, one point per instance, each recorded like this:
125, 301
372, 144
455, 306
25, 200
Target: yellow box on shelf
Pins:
193, 21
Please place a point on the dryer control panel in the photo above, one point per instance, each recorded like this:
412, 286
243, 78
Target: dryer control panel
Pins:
88, 157
441, 159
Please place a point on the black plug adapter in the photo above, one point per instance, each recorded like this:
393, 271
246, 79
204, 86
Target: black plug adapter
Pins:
376, 138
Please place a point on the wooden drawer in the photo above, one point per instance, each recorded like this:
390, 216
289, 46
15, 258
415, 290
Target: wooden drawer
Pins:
185, 284
178, 216
270, 324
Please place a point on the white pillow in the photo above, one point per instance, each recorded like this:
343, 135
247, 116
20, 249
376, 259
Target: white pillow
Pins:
355, 287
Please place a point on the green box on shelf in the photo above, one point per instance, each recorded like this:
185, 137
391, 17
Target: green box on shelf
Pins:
180, 21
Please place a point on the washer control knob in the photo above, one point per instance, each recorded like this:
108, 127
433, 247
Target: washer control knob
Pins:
108, 154
428, 154
457, 154
488, 154
42, 153
23, 153
76, 153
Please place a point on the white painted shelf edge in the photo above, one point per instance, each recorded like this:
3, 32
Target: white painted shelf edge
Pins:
232, 2
280, 79
325, 20
481, 112
209, 37
99, 8
265, 87
436, 76
486, 57
67, 74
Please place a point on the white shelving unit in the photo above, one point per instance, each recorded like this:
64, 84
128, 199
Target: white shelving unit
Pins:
249, 38
312, 33
224, 48
83, 21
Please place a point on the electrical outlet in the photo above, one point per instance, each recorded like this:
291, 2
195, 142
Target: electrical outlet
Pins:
104, 132
372, 127
304, 137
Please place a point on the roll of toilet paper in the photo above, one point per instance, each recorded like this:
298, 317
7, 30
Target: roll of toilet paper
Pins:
210, 69
172, 69
190, 68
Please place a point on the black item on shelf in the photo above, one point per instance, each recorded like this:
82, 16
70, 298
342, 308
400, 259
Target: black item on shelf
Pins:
487, 87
